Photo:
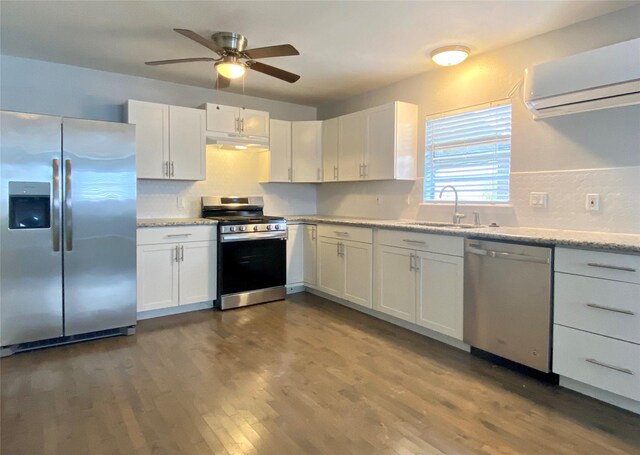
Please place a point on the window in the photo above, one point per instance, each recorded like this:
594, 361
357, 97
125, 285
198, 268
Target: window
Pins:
470, 150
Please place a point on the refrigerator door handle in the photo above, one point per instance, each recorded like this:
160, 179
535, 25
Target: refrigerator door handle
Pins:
55, 205
68, 210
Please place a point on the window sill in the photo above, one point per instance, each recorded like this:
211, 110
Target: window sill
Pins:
505, 205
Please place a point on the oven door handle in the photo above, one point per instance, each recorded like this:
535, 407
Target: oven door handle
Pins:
249, 237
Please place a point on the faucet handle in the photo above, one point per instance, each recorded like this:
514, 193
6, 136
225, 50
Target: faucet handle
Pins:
476, 218
457, 217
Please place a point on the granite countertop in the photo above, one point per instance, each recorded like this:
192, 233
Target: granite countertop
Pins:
163, 222
624, 243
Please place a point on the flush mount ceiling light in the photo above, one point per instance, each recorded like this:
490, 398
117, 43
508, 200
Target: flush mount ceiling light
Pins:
450, 55
230, 67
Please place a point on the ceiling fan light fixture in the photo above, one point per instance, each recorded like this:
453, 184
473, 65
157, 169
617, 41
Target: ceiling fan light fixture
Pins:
230, 68
450, 55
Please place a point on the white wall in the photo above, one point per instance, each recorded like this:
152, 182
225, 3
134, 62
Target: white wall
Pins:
49, 88
567, 157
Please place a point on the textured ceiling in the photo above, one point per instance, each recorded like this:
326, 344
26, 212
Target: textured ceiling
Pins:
347, 47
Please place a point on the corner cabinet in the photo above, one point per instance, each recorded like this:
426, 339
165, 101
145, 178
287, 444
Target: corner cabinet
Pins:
344, 258
380, 143
176, 266
419, 278
170, 141
301, 255
295, 151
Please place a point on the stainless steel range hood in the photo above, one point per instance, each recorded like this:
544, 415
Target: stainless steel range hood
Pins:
228, 141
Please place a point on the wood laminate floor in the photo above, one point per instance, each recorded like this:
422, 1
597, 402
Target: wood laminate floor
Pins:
301, 376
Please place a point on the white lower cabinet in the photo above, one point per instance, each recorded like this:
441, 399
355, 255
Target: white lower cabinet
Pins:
301, 255
176, 266
345, 266
419, 286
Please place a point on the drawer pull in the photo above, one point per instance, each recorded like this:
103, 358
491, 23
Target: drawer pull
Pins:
341, 232
419, 242
608, 308
611, 367
612, 267
178, 235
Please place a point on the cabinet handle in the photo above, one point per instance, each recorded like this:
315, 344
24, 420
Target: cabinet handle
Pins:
419, 242
165, 169
238, 124
364, 170
175, 250
612, 267
611, 367
608, 308
181, 253
335, 172
178, 235
242, 125
416, 264
411, 262
313, 233
341, 232
172, 169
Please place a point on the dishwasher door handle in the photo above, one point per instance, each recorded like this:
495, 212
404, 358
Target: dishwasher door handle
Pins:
508, 256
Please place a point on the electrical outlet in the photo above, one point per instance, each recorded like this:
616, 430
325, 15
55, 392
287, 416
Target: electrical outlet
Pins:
539, 200
180, 202
593, 202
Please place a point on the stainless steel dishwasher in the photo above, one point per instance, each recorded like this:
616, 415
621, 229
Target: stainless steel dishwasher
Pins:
507, 301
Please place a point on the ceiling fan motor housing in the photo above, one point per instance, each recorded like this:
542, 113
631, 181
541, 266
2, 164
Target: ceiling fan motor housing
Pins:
232, 42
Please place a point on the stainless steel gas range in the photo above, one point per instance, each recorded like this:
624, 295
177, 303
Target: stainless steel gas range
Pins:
252, 251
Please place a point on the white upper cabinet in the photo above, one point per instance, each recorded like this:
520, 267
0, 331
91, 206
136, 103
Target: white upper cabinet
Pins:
187, 143
380, 143
330, 150
280, 151
352, 131
170, 141
306, 151
233, 121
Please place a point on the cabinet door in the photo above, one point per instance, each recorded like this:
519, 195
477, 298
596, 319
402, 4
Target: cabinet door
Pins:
295, 255
351, 143
330, 150
152, 138
157, 272
330, 267
254, 123
280, 151
439, 293
310, 255
395, 282
198, 272
222, 119
306, 151
187, 143
379, 156
358, 268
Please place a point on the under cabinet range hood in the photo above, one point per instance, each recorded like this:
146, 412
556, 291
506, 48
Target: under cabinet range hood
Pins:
229, 142
597, 79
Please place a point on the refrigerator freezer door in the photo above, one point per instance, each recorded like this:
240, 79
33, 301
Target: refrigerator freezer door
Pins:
99, 225
31, 260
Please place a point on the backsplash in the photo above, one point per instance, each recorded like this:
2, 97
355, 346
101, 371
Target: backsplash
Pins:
229, 173
619, 190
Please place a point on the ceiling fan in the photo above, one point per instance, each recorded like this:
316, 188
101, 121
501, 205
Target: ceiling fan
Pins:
235, 58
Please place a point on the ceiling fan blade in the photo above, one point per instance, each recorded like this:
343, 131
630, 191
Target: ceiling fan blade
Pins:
273, 71
180, 60
271, 51
222, 82
198, 39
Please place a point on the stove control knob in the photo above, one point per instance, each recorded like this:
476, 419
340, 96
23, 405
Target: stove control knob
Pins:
268, 227
232, 229
256, 228
276, 227
243, 228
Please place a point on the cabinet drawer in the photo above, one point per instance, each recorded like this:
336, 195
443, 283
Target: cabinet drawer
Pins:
176, 234
605, 307
338, 231
442, 244
613, 266
599, 361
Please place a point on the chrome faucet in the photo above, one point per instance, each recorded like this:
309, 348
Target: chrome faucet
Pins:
456, 216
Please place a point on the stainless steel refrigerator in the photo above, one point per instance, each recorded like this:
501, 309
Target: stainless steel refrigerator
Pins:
67, 228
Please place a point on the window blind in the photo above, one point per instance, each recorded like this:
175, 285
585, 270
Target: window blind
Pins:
471, 151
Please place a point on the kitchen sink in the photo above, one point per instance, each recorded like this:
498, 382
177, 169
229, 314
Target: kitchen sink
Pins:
443, 225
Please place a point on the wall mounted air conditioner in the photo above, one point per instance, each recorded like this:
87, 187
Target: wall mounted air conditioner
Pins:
597, 79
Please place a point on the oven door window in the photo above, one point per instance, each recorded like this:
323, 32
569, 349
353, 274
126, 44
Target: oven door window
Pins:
252, 265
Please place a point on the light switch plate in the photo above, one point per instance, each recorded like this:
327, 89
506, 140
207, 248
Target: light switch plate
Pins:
593, 202
180, 201
539, 200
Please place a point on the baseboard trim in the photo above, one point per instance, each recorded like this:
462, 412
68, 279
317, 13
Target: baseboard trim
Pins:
602, 395
174, 310
393, 320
